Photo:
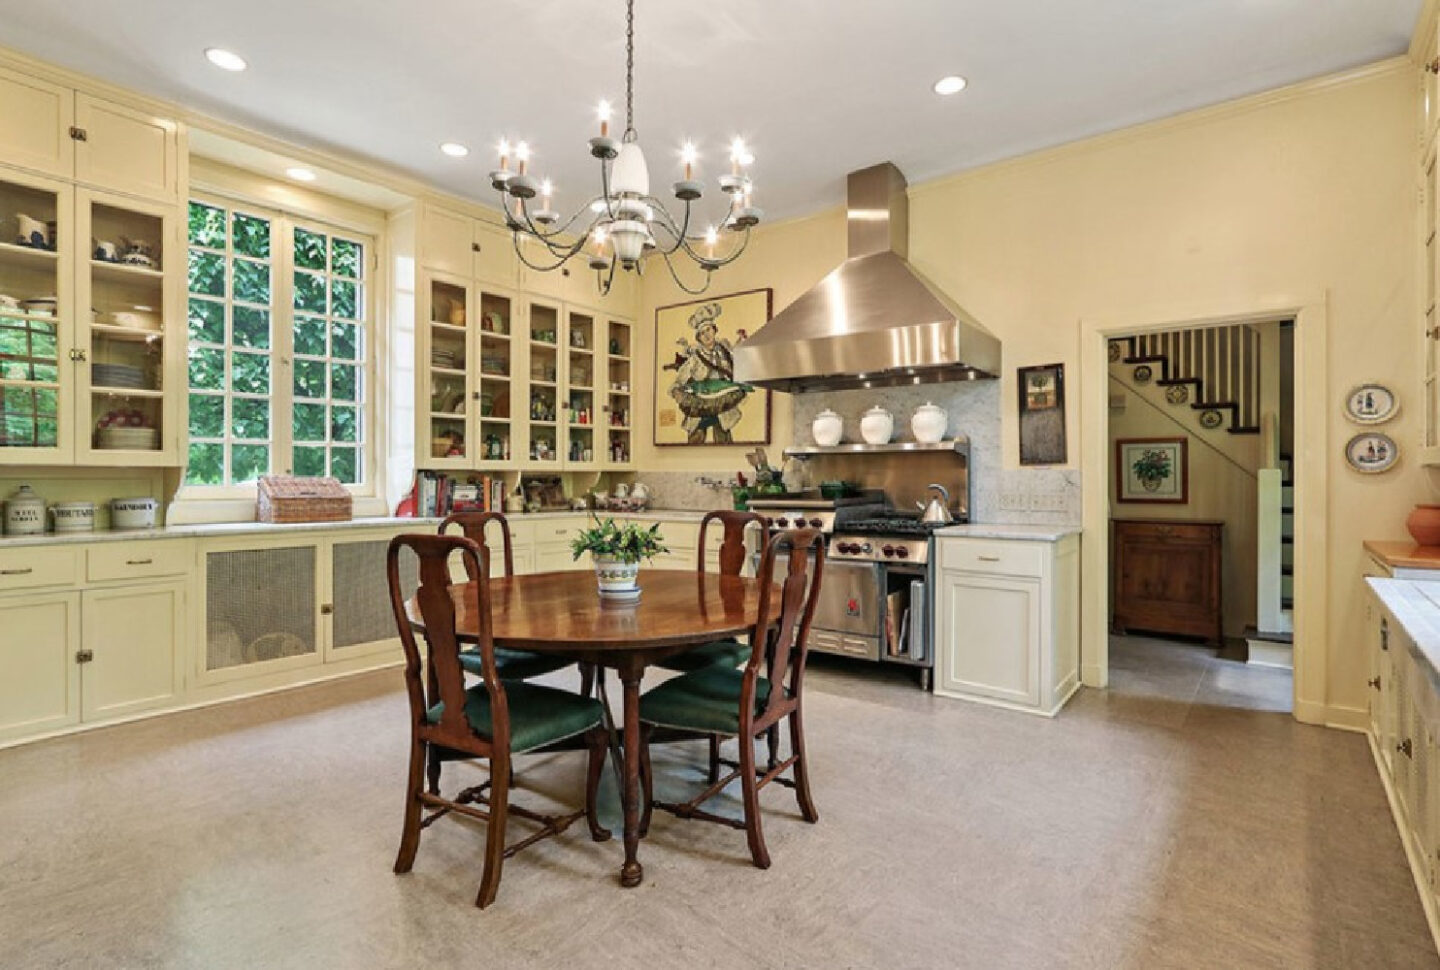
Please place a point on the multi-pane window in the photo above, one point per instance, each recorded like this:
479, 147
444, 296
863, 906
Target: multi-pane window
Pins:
329, 301
231, 293
278, 347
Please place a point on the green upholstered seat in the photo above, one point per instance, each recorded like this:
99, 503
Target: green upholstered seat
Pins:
538, 715
724, 653
513, 664
706, 700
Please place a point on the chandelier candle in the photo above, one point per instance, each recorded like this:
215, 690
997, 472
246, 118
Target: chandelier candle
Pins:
626, 224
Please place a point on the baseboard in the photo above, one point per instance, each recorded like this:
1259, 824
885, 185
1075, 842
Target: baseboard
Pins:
1412, 855
1270, 653
1348, 718
1311, 712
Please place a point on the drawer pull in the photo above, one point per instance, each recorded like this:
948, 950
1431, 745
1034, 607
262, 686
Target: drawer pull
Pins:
1405, 748
17, 572
139, 562
1374, 682
988, 558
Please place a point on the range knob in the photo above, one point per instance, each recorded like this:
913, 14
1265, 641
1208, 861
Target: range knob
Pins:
901, 552
815, 523
864, 548
769, 522
844, 548
888, 550
782, 523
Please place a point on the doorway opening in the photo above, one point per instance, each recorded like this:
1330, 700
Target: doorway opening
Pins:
1201, 499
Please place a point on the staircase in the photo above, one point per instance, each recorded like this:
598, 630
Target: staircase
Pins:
1213, 370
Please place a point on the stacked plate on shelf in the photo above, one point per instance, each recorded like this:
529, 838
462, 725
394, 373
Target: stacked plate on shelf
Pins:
129, 439
117, 375
442, 358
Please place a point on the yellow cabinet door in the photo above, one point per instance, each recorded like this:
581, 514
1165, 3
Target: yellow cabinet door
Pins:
494, 255
39, 637
989, 637
133, 635
126, 150
35, 121
446, 240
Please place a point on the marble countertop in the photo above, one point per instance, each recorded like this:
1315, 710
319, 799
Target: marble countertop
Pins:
217, 529
1033, 533
1416, 605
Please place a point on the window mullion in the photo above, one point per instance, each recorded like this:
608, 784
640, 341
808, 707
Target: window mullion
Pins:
283, 339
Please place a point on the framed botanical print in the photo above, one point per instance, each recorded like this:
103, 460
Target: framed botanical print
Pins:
697, 399
1042, 414
1152, 470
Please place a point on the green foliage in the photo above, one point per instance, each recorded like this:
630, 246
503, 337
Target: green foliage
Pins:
344, 382
250, 418
344, 341
250, 327
207, 416
252, 282
207, 321
1153, 465
207, 368
344, 423
344, 465
309, 292
206, 465
347, 258
309, 461
345, 299
250, 373
310, 249
310, 378
249, 462
207, 273
309, 424
251, 236
310, 336
628, 543
207, 226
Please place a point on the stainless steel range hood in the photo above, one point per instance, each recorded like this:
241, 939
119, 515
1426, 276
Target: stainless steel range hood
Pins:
873, 321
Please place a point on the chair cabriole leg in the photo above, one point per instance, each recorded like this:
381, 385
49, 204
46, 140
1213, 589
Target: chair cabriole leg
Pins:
410, 829
802, 768
495, 831
751, 793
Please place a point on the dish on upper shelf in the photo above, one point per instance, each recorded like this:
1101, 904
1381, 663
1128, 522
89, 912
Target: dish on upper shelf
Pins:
1371, 404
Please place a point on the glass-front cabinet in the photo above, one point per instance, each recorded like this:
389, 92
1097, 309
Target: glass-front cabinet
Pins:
470, 364
547, 411
36, 321
126, 414
618, 417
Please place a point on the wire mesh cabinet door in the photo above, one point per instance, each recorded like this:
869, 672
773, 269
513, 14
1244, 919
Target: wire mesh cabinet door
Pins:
261, 610
357, 604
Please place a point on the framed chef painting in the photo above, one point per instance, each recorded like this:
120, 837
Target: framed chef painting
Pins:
697, 399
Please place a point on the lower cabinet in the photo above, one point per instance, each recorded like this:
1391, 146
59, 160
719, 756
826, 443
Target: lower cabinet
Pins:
1007, 626
89, 656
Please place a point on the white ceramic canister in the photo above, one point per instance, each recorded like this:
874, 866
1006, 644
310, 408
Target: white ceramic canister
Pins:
827, 428
928, 423
133, 513
24, 513
877, 426
73, 516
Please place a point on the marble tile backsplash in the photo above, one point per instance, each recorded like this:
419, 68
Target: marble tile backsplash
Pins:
1042, 496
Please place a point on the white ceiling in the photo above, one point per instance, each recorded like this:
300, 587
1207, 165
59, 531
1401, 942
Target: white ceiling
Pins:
817, 87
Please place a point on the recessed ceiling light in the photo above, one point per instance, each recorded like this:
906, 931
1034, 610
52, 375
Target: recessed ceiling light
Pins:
225, 60
950, 84
300, 174
454, 149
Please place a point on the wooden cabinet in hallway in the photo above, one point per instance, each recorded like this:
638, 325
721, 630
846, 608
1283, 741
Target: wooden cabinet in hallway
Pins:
1167, 577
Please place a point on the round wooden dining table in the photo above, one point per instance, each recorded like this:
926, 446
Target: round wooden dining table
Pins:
561, 613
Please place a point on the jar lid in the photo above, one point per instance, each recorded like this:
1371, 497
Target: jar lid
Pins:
877, 409
25, 495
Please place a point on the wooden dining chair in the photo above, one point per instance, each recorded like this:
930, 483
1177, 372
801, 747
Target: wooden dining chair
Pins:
512, 664
721, 702
494, 720
730, 653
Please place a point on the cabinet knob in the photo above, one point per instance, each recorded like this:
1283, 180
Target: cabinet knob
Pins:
84, 656
1374, 682
326, 609
1405, 748
474, 247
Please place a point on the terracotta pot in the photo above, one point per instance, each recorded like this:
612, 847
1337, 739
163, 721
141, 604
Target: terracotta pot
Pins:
1424, 524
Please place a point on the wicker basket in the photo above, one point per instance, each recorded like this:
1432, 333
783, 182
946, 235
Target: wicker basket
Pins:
289, 498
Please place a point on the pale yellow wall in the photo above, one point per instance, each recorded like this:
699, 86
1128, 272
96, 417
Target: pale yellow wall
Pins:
1307, 193
789, 258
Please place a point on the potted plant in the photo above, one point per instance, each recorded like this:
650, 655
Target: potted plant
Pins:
617, 551
1151, 468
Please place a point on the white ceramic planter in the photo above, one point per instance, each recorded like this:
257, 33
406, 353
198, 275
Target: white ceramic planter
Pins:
928, 423
133, 513
877, 426
73, 516
24, 513
827, 428
616, 579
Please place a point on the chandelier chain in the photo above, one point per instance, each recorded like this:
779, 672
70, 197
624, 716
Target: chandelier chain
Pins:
629, 69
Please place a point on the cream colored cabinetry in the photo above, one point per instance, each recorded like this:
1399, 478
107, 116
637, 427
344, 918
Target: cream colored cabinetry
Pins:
1007, 621
57, 131
1429, 140
516, 370
72, 656
91, 351
1405, 735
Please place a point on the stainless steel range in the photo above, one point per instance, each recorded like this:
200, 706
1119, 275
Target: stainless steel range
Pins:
875, 602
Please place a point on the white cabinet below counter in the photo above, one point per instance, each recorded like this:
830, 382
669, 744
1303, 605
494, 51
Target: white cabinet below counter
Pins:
1007, 616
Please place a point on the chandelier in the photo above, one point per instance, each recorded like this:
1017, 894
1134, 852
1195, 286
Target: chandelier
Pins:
626, 223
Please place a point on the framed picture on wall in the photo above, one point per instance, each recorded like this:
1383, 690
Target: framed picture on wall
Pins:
1042, 414
1152, 470
697, 399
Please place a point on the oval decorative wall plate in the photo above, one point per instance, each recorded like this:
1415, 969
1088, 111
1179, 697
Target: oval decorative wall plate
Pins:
1177, 393
1142, 374
1210, 419
1371, 452
1371, 404
1115, 351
